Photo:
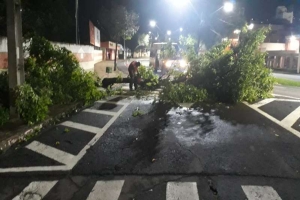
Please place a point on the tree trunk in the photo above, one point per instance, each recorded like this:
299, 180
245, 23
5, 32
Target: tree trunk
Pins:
125, 55
115, 62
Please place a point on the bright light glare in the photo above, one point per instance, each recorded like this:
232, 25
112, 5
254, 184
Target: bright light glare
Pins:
183, 63
152, 23
169, 63
149, 32
293, 38
237, 31
228, 7
155, 38
251, 26
181, 29
169, 32
179, 3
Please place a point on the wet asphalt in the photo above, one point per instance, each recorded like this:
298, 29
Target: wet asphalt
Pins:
207, 139
219, 147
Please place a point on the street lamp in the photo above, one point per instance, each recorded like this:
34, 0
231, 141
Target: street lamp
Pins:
228, 7
181, 29
149, 32
152, 23
169, 32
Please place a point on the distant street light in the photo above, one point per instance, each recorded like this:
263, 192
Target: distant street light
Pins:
149, 32
152, 23
251, 26
169, 39
228, 7
169, 32
181, 29
155, 38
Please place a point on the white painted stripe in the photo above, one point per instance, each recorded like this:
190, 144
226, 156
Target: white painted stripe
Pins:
36, 190
102, 112
260, 193
111, 102
291, 119
182, 191
83, 127
279, 95
262, 103
106, 190
50, 152
70, 165
274, 120
288, 100
97, 137
62, 168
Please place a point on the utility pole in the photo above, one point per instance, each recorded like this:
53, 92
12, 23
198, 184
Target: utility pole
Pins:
15, 50
76, 18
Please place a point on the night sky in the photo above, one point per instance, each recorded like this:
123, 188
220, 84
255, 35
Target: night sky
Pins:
171, 17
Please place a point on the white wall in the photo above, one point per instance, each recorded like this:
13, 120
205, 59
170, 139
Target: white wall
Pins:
3, 44
272, 47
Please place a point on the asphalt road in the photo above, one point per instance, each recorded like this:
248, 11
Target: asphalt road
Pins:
209, 152
293, 77
287, 91
206, 152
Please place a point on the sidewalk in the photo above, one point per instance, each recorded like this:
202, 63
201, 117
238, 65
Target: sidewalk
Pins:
100, 69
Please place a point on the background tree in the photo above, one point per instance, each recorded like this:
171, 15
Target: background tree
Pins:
132, 20
118, 22
143, 40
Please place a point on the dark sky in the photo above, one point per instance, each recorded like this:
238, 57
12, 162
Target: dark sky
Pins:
171, 17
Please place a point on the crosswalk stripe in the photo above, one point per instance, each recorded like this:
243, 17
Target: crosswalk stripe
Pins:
36, 190
102, 112
112, 102
262, 103
291, 119
260, 193
50, 152
106, 190
182, 191
82, 127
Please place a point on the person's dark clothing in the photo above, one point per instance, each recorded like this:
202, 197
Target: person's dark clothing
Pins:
132, 69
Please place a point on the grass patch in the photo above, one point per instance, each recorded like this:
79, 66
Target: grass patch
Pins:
287, 82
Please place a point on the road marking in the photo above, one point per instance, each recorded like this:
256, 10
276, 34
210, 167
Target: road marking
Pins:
260, 193
289, 128
279, 95
62, 168
262, 103
83, 127
288, 100
65, 168
97, 137
112, 102
106, 190
182, 191
50, 152
36, 190
102, 112
291, 119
